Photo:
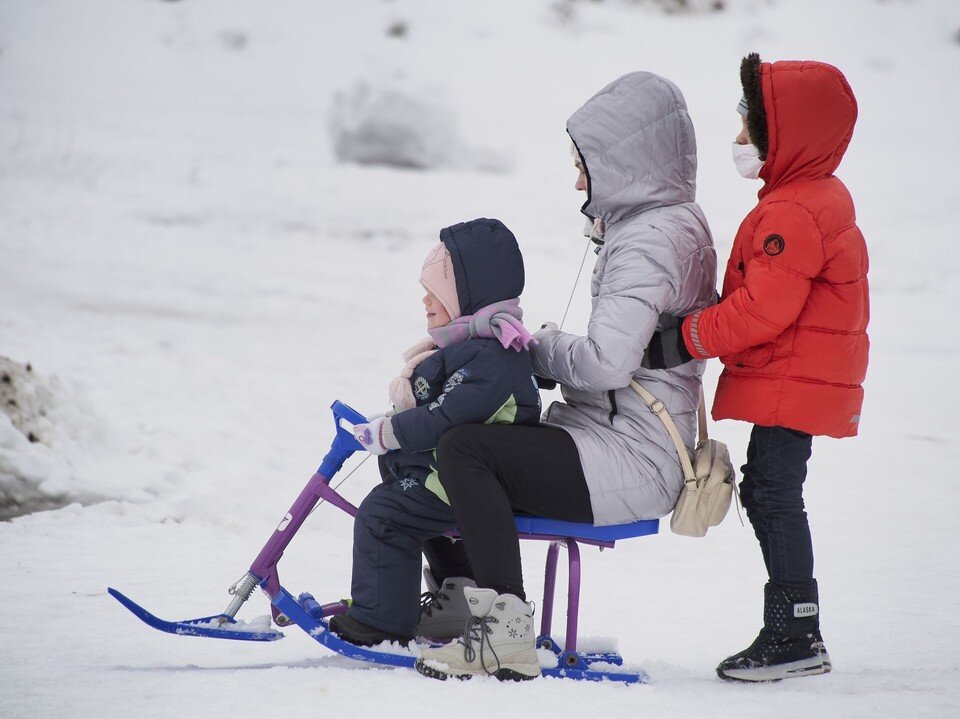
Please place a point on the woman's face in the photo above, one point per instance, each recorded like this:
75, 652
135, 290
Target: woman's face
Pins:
744, 137
437, 315
582, 177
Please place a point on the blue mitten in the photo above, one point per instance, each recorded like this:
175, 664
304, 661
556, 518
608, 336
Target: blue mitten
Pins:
376, 436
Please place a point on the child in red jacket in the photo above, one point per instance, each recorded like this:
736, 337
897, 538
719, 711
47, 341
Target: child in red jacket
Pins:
790, 329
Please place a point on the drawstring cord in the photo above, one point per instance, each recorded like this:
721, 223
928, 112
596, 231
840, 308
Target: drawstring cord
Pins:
576, 281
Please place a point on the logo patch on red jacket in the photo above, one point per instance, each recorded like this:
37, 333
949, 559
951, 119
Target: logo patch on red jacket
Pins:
773, 245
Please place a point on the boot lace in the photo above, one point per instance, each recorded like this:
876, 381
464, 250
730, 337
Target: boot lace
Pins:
478, 630
430, 601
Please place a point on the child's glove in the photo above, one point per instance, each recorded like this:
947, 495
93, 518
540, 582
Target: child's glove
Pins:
376, 436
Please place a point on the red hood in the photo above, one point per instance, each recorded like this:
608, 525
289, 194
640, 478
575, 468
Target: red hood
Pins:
811, 111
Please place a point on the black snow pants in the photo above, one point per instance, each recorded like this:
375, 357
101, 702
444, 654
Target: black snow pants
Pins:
491, 471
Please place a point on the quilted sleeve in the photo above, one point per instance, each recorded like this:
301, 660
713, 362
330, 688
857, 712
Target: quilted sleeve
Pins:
639, 281
785, 255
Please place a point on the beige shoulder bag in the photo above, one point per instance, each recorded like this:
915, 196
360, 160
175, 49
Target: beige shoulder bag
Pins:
709, 480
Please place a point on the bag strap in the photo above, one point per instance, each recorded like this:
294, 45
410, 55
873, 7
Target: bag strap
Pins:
660, 409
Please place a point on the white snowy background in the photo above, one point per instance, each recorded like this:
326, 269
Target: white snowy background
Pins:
199, 252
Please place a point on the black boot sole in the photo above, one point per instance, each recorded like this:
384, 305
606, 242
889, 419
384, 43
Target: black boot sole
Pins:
429, 671
504, 675
777, 672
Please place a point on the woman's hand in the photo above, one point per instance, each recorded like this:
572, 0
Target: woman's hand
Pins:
546, 382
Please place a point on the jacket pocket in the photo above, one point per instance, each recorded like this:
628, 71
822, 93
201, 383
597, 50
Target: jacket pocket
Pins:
752, 357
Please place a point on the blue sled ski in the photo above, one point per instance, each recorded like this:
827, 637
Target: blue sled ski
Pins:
589, 669
318, 629
202, 627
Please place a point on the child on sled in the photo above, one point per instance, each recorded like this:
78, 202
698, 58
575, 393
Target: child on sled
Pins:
474, 368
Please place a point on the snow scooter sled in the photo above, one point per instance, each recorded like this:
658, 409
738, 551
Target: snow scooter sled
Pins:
311, 616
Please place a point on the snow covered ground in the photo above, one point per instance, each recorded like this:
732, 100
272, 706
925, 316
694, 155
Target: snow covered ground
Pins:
194, 277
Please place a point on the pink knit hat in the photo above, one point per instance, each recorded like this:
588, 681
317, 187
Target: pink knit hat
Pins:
437, 277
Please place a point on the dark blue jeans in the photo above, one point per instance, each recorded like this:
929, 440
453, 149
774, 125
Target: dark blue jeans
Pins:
772, 494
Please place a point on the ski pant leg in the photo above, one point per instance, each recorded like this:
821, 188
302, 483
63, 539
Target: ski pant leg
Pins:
388, 531
772, 494
444, 555
488, 471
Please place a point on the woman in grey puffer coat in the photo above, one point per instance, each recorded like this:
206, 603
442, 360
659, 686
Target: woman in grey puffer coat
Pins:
639, 158
601, 456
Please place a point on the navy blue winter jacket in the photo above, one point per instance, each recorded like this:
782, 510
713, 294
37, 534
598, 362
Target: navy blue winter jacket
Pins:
475, 381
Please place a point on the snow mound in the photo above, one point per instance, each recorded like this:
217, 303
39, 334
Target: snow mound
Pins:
395, 127
40, 420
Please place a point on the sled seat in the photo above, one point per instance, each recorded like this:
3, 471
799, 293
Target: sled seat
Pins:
540, 528
571, 535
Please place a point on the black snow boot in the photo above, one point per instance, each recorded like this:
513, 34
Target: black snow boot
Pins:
349, 629
789, 645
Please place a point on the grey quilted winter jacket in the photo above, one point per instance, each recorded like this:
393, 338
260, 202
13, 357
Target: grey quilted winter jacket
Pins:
657, 257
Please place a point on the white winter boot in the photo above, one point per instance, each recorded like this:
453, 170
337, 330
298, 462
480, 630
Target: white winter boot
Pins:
499, 639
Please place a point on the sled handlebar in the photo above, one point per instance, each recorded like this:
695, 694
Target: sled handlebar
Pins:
344, 443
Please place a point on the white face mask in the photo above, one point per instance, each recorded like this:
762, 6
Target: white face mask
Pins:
747, 159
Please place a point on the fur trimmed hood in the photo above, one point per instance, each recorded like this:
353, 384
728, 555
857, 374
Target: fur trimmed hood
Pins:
756, 115
800, 115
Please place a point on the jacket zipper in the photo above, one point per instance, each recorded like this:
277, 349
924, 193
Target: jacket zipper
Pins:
612, 394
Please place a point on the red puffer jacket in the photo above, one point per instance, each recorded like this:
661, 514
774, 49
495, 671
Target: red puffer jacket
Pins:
790, 328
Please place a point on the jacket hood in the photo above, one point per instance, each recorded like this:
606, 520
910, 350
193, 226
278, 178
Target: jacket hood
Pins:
810, 112
638, 148
487, 263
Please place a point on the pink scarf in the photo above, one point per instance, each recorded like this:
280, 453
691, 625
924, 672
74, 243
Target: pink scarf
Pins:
501, 321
